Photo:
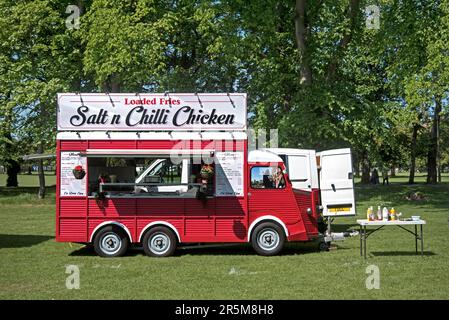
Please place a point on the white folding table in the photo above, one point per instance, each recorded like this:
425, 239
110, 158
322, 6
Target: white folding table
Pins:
364, 233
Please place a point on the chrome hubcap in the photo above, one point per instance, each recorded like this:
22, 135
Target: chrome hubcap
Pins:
110, 243
268, 239
159, 243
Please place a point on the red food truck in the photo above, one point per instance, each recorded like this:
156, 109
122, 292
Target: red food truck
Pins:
162, 170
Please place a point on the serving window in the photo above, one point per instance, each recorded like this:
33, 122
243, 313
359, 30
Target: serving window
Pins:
160, 176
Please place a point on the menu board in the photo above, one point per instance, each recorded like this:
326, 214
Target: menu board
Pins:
229, 174
73, 175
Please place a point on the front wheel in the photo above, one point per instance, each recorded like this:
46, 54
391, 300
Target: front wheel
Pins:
159, 242
268, 239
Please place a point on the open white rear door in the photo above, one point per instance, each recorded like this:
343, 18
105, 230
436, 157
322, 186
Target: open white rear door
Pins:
336, 182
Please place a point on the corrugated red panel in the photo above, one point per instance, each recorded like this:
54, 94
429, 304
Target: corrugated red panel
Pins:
73, 145
224, 145
160, 144
112, 207
72, 207
230, 206
207, 144
72, 229
129, 223
304, 200
230, 230
227, 145
240, 145
154, 207
198, 230
278, 202
115, 144
196, 207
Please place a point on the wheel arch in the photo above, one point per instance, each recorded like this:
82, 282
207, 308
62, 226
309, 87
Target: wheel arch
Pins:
266, 218
159, 223
114, 223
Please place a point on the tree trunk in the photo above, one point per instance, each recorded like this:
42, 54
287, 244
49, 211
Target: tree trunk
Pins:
305, 72
41, 193
12, 169
432, 154
393, 172
411, 177
365, 168
112, 84
11, 165
357, 167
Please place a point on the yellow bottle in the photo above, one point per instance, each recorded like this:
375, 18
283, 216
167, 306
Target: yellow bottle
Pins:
392, 214
369, 214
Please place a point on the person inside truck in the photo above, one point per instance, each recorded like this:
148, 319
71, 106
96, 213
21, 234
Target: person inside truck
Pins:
278, 178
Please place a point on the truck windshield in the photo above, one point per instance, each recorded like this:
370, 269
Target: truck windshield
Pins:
267, 178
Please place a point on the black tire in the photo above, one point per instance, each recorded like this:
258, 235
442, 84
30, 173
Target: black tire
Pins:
111, 241
324, 246
159, 242
263, 236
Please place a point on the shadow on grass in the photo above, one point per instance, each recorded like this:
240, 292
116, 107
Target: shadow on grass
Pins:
400, 253
21, 240
213, 249
88, 251
246, 249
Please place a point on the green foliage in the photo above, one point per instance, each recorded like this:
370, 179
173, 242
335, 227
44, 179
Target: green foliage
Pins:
368, 88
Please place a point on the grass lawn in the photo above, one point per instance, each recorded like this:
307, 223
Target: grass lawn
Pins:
33, 265
30, 180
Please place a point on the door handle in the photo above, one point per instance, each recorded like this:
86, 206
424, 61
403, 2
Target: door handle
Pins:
333, 187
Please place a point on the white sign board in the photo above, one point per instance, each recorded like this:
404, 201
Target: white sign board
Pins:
140, 112
229, 174
73, 184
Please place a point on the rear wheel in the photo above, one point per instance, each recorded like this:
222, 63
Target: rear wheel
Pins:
110, 241
159, 242
268, 239
324, 246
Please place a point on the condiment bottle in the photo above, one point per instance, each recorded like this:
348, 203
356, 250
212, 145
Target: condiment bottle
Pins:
369, 214
385, 214
392, 214
379, 213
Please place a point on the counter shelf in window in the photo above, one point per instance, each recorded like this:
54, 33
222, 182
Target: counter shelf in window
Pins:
149, 190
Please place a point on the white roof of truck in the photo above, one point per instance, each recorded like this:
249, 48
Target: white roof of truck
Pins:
288, 151
263, 156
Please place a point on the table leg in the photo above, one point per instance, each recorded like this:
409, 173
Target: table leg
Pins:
361, 240
416, 239
422, 242
364, 240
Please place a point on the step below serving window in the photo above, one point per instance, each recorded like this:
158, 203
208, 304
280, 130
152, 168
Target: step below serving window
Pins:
149, 177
